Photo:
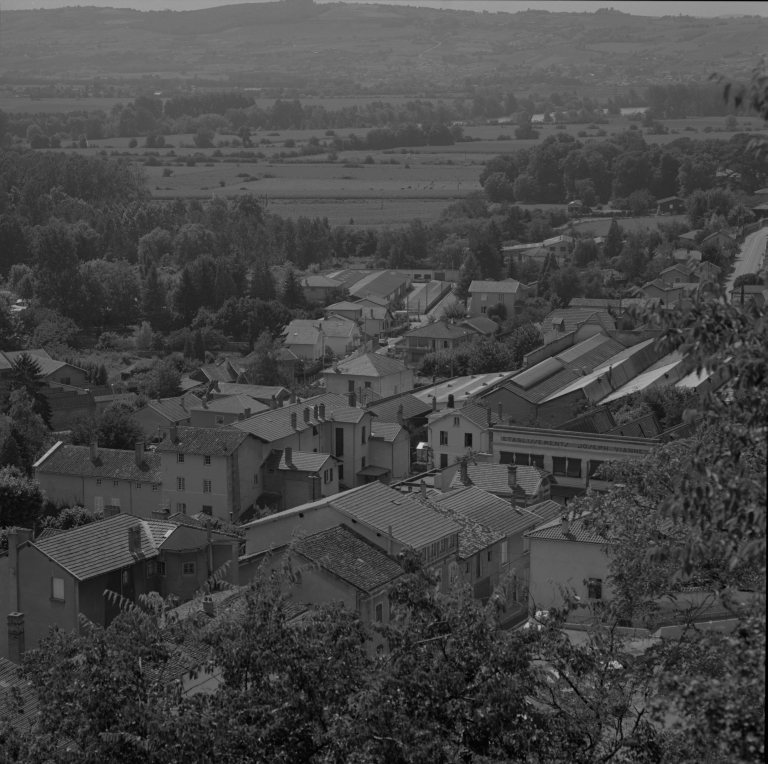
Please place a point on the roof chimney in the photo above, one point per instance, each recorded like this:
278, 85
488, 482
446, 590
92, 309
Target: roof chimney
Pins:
400, 417
423, 490
464, 472
134, 539
184, 403
139, 450
322, 410
273, 403
490, 416
512, 483
205, 402
247, 413
293, 419
434, 403
565, 523
173, 432
306, 413
16, 637
209, 606
288, 454
352, 400
501, 412
450, 400
94, 450
315, 412
292, 399
240, 417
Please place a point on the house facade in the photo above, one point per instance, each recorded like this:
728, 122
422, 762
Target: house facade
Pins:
299, 477
483, 294
434, 338
317, 288
455, 433
158, 416
342, 335
305, 339
370, 372
99, 478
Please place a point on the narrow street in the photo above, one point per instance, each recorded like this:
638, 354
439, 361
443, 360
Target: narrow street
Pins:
750, 257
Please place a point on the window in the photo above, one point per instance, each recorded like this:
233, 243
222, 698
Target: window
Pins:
537, 460
207, 509
526, 544
154, 486
180, 458
558, 465
256, 478
483, 298
98, 481
180, 484
457, 421
506, 457
522, 459
478, 568
188, 569
181, 507
594, 466
443, 461
483, 309
443, 437
219, 419
138, 486
363, 462
206, 486
66, 380
490, 555
452, 542
443, 544
115, 483
453, 572
98, 502
467, 440
367, 385
504, 553
341, 472
115, 502
207, 460
314, 430
351, 386
330, 475
339, 442
151, 569
126, 577
595, 588
574, 468
325, 476
160, 567
362, 436
57, 589
380, 612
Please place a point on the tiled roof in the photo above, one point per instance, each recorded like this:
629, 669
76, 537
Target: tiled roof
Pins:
494, 478
301, 461
498, 513
354, 559
387, 431
219, 441
338, 326
343, 305
276, 423
97, 548
301, 335
481, 324
110, 463
47, 364
369, 365
69, 401
220, 372
577, 531
473, 536
463, 388
373, 300
441, 330
472, 411
232, 404
572, 318
680, 269
413, 523
30, 702
173, 409
643, 427
320, 281
510, 286
382, 284
386, 411
598, 421
263, 393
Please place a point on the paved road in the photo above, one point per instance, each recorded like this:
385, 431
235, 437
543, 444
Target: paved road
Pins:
750, 257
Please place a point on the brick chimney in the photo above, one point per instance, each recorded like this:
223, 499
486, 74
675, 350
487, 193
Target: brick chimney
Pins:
490, 416
293, 420
512, 483
352, 400
315, 412
209, 605
173, 433
565, 523
450, 401
434, 403
464, 472
273, 403
501, 413
139, 451
134, 539
288, 453
247, 414
322, 410
400, 418
292, 399
306, 414
16, 537
423, 489
15, 637
94, 451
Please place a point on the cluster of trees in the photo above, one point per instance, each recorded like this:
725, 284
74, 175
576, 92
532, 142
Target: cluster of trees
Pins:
562, 168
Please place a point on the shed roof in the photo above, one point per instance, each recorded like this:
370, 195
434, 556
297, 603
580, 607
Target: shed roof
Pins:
210, 441
386, 431
111, 463
481, 324
352, 558
301, 461
176, 409
369, 365
509, 286
386, 411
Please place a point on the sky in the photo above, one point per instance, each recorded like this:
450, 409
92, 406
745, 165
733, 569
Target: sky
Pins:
634, 7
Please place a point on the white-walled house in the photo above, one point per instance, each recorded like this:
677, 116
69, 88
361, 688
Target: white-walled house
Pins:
370, 372
457, 433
